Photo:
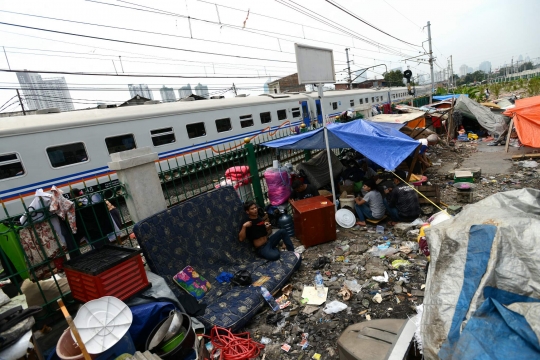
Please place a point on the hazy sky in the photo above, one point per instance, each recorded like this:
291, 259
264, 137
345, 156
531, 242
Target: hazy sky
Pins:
472, 31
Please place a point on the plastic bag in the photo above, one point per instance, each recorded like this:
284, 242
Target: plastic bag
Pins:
334, 307
375, 251
381, 279
397, 263
353, 285
279, 185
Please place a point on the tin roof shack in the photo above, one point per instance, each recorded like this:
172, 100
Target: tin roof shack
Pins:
286, 84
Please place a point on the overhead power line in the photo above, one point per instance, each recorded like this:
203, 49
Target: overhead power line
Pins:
145, 31
132, 75
365, 22
140, 44
260, 32
288, 22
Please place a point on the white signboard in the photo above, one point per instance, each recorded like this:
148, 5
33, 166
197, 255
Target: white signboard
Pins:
315, 65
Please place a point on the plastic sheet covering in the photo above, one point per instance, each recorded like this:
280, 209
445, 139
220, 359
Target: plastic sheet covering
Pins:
527, 120
317, 170
483, 286
145, 319
490, 121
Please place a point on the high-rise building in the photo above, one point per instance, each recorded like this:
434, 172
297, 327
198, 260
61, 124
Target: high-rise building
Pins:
167, 94
463, 70
485, 66
185, 91
42, 93
470, 70
202, 90
141, 90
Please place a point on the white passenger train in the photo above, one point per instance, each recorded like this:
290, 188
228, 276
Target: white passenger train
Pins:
73, 148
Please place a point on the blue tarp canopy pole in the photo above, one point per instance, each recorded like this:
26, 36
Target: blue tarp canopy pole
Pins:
381, 144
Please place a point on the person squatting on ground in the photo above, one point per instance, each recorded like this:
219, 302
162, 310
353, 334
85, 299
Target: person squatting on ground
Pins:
371, 206
303, 191
255, 229
402, 200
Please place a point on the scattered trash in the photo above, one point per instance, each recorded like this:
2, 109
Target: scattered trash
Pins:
368, 318
300, 249
310, 309
334, 307
375, 251
381, 279
353, 285
379, 229
283, 302
316, 356
286, 347
377, 298
273, 319
397, 263
265, 340
528, 164
310, 293
287, 289
321, 262
345, 292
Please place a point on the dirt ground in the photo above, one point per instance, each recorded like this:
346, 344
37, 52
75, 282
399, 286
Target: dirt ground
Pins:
350, 260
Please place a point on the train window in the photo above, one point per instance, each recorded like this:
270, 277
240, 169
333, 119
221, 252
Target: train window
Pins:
246, 121
10, 166
360, 101
282, 114
196, 130
266, 117
352, 102
367, 100
162, 136
69, 154
295, 112
120, 143
223, 125
334, 105
372, 99
318, 106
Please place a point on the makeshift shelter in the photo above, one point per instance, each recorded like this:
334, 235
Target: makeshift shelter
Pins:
493, 123
526, 118
411, 119
482, 298
382, 144
447, 97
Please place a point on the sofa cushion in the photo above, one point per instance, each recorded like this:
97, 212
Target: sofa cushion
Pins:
203, 232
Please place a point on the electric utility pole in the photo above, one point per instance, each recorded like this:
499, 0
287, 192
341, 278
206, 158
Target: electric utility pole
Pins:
452, 70
349, 69
430, 62
234, 89
18, 94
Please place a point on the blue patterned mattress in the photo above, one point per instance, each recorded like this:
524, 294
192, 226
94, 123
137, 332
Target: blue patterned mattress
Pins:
203, 232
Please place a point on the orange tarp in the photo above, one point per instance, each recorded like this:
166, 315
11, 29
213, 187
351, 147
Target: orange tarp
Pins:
526, 115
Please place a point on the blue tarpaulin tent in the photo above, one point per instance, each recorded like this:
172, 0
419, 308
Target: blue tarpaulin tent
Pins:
381, 144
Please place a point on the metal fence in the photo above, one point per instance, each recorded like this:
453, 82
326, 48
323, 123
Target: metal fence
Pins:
34, 245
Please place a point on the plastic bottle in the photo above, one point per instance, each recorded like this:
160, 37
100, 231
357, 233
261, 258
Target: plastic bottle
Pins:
286, 223
319, 284
269, 298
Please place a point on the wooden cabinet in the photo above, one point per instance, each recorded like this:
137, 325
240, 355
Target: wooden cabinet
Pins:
314, 220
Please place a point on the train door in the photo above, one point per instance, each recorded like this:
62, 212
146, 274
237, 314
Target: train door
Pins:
305, 112
319, 111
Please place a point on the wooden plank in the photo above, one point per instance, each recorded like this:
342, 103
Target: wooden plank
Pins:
509, 133
413, 162
526, 156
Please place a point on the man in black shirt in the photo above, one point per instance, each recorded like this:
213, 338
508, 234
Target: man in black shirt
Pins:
402, 201
255, 229
303, 191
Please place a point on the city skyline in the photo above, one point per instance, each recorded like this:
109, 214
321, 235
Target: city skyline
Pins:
40, 93
141, 90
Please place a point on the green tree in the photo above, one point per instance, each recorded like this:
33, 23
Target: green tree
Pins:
533, 87
394, 78
496, 89
525, 66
